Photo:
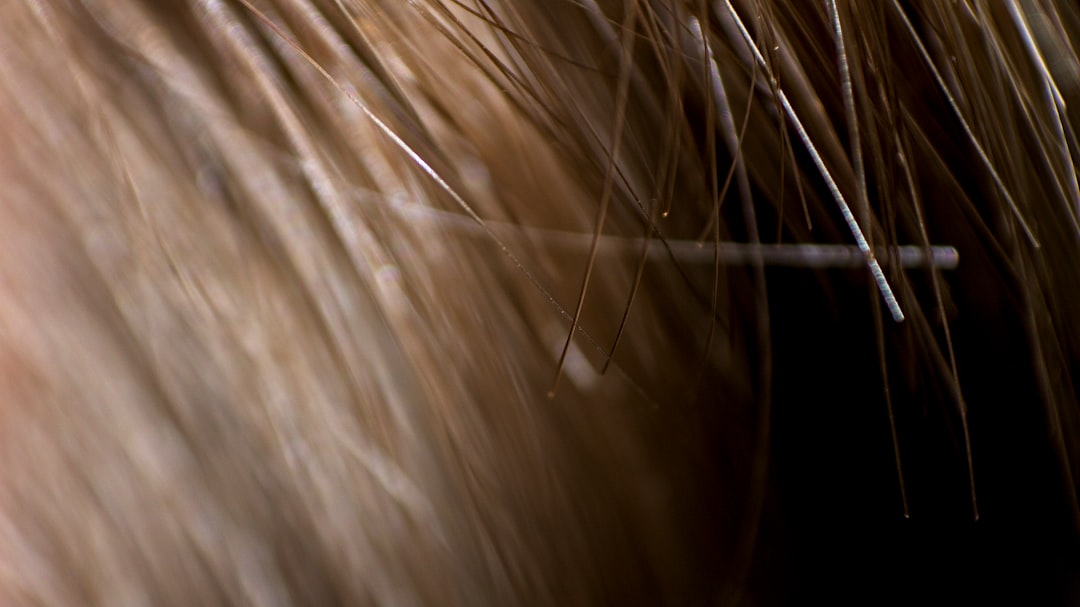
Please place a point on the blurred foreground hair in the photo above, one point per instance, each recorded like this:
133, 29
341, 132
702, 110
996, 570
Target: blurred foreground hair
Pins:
554, 302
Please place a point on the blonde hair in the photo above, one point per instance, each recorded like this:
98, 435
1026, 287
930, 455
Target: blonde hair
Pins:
307, 301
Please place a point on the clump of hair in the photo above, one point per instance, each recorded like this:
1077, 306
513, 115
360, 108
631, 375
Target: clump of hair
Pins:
490, 302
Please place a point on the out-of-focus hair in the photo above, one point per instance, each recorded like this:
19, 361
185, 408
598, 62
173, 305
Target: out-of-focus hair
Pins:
493, 302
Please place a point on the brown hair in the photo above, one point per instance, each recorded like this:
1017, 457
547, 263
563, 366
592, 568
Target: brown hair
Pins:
503, 302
